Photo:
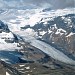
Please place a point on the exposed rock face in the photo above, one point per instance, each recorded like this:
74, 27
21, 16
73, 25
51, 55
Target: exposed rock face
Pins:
3, 27
2, 69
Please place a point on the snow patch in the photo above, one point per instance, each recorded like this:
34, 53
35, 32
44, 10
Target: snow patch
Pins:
21, 65
60, 31
70, 34
42, 32
27, 67
7, 73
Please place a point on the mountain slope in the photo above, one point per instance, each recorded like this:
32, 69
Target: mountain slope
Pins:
38, 36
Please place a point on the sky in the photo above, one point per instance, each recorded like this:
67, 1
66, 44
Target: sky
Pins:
54, 4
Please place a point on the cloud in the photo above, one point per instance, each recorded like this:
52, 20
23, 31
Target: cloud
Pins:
54, 4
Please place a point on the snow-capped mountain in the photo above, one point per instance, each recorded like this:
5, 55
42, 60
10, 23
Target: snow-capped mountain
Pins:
38, 35
53, 26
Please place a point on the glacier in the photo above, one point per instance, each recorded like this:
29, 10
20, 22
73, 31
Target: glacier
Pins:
15, 19
46, 48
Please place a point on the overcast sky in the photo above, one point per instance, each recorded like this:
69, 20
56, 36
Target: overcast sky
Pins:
54, 4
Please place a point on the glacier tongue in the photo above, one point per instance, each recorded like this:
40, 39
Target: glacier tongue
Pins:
51, 51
